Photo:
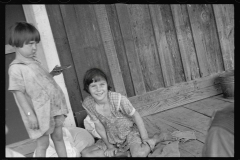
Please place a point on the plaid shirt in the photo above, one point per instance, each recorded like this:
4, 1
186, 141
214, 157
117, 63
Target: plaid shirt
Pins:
120, 127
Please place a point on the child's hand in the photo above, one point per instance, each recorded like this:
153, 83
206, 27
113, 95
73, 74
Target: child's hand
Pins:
56, 71
110, 152
33, 122
149, 142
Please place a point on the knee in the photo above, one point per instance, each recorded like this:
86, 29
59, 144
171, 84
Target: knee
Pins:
86, 153
43, 145
57, 137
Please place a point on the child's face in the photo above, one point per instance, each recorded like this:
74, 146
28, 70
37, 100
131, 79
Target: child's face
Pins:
99, 89
28, 50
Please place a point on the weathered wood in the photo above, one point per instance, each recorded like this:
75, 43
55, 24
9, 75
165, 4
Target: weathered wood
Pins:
157, 119
179, 100
188, 118
24, 147
172, 42
162, 45
65, 56
224, 99
205, 37
198, 38
119, 45
189, 148
110, 49
146, 46
185, 41
85, 41
128, 39
207, 106
161, 94
224, 15
164, 93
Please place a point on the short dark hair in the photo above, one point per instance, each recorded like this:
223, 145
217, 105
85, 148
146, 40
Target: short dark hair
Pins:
93, 74
23, 32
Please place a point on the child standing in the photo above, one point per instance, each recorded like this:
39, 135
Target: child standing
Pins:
40, 100
117, 122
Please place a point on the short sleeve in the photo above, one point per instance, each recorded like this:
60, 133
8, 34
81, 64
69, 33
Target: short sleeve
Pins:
126, 106
16, 81
88, 106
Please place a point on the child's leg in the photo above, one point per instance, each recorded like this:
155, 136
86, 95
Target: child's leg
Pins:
42, 145
93, 151
57, 137
143, 149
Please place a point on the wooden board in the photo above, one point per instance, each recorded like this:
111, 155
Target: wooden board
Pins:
65, 56
224, 15
188, 118
85, 41
24, 147
177, 95
192, 148
133, 58
119, 45
171, 37
185, 41
145, 46
205, 36
162, 45
207, 106
110, 49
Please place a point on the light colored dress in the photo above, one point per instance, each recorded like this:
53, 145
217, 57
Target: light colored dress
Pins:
120, 128
42, 92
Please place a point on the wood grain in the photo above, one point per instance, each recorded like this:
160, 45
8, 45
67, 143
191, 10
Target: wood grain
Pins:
206, 40
185, 41
224, 15
120, 48
65, 56
162, 46
171, 37
110, 49
145, 46
128, 39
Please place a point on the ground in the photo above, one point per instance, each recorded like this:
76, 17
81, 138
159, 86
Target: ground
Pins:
190, 117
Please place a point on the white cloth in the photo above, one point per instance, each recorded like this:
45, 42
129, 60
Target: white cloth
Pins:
90, 127
11, 153
75, 139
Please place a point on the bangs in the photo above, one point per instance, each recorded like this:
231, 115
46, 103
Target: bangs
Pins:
97, 78
24, 34
94, 75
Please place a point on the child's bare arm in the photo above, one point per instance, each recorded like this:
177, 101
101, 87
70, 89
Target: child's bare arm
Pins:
24, 104
138, 120
110, 150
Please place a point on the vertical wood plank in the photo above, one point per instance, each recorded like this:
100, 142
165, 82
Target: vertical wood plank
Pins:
85, 41
133, 58
185, 41
119, 45
198, 40
65, 56
205, 37
110, 50
224, 15
172, 42
146, 46
163, 48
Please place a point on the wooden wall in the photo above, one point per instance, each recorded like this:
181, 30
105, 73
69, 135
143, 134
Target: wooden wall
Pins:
163, 54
